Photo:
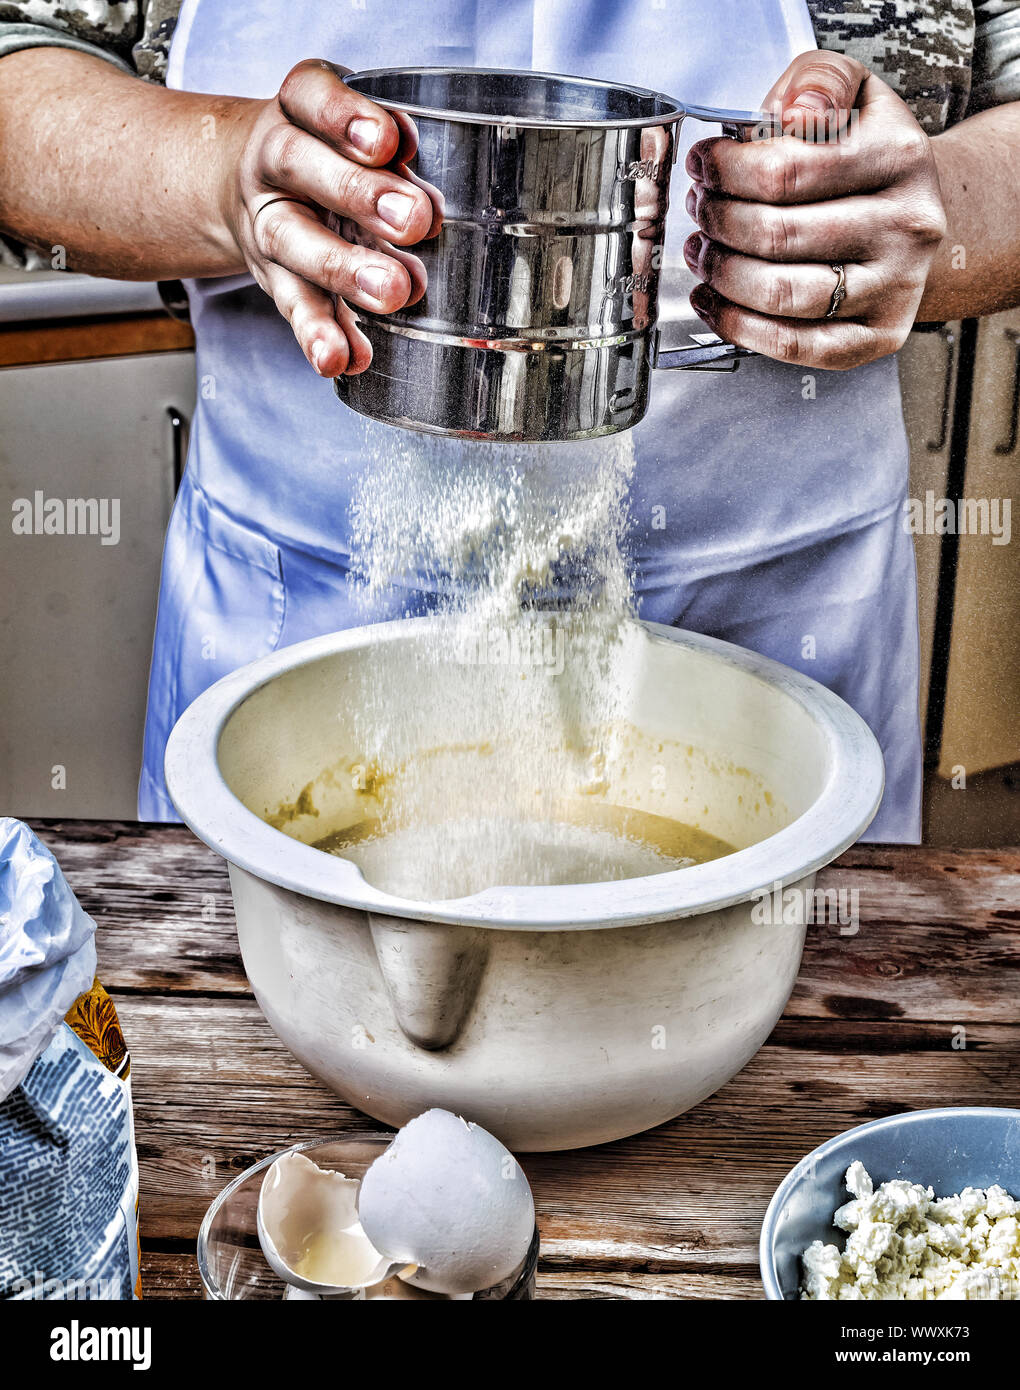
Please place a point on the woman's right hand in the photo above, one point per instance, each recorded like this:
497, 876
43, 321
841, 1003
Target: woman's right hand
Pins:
319, 148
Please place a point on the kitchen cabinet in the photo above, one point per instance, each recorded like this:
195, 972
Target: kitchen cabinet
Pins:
929, 372
981, 728
42, 296
961, 386
84, 446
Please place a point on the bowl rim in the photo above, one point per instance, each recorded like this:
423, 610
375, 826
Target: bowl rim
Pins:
843, 809
904, 1118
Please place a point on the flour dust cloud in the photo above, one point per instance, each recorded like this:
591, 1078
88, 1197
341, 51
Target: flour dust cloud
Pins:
523, 550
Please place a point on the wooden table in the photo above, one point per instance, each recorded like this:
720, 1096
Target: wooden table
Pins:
917, 1009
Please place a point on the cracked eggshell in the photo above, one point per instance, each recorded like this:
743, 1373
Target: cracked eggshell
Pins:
448, 1197
309, 1230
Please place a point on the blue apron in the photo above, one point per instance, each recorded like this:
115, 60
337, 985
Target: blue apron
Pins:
766, 504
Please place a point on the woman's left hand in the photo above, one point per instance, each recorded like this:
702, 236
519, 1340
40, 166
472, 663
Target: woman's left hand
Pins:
777, 215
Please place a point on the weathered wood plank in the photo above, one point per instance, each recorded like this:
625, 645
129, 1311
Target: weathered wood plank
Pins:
939, 938
917, 1007
578, 1284
159, 881
939, 935
170, 1275
215, 1090
174, 1275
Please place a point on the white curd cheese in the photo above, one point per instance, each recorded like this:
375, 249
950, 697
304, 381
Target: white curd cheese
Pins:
904, 1243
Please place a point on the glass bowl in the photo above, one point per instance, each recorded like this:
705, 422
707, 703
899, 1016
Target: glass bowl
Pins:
230, 1258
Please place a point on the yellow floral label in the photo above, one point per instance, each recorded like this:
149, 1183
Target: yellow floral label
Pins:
93, 1017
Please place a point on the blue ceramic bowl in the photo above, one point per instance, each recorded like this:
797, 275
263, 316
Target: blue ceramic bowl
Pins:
945, 1149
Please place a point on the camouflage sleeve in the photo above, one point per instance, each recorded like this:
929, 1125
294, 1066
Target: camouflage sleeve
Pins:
945, 58
922, 48
133, 34
15, 34
996, 54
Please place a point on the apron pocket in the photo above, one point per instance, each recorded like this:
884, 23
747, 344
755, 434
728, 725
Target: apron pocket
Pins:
224, 586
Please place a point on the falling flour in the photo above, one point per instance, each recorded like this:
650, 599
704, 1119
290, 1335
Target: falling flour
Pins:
452, 858
522, 552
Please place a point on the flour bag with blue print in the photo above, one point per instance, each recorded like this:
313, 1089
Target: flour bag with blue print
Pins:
68, 1170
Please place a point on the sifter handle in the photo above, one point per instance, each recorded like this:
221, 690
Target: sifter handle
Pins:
738, 125
707, 352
